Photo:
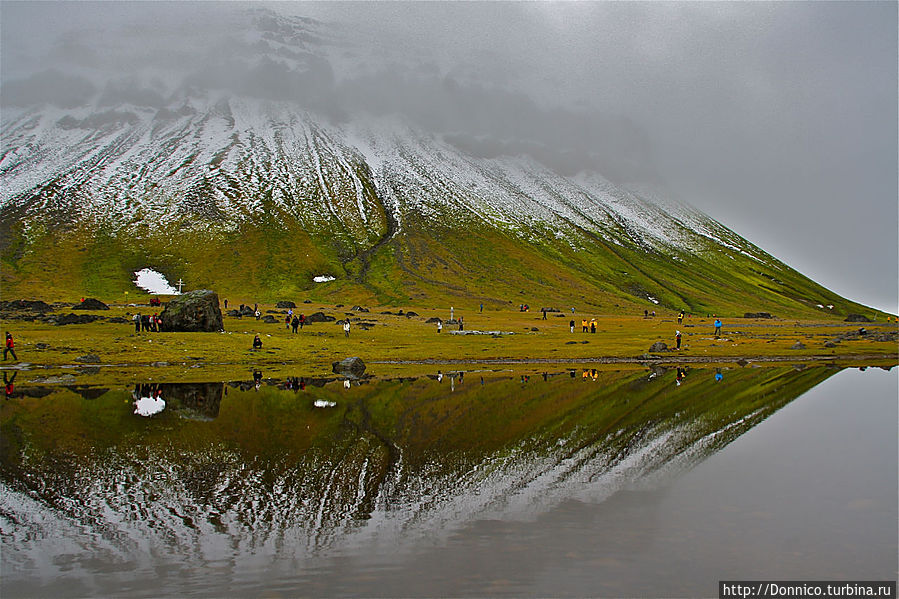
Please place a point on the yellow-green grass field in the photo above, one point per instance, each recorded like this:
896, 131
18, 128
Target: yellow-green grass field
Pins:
400, 344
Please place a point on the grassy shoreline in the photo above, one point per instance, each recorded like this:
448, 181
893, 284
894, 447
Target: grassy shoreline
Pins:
394, 342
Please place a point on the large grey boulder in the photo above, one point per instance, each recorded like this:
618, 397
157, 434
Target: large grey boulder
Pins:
352, 367
195, 311
658, 346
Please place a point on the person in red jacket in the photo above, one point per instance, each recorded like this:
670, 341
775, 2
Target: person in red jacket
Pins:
10, 344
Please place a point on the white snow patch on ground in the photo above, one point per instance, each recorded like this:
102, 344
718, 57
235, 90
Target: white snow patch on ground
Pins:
154, 282
323, 278
321, 403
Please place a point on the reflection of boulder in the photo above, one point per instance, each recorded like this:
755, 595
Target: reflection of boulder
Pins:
195, 311
90, 304
198, 401
353, 367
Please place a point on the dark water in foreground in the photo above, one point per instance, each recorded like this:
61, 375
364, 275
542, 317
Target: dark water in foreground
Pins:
627, 483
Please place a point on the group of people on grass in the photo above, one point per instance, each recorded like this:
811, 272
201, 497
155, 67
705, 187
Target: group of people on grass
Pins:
145, 322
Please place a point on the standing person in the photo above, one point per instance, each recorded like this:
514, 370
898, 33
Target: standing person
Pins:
295, 323
460, 323
680, 317
677, 338
257, 314
226, 304
645, 313
154, 322
544, 313
346, 328
439, 325
571, 325
593, 325
482, 306
584, 325
717, 328
287, 322
136, 319
145, 322
10, 347
302, 321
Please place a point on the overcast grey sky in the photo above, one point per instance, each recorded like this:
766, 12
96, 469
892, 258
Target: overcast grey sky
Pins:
779, 118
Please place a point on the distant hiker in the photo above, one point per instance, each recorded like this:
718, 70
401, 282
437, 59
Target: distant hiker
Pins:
346, 328
226, 304
544, 313
584, 325
136, 319
482, 306
257, 314
677, 338
295, 323
257, 342
302, 321
571, 325
593, 325
439, 325
287, 322
8, 384
154, 322
653, 313
680, 317
645, 313
717, 328
460, 323
10, 347
718, 375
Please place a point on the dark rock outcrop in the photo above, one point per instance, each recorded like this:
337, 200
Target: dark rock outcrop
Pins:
64, 319
88, 359
351, 367
320, 317
285, 304
90, 304
658, 346
195, 311
757, 315
21, 305
857, 318
270, 319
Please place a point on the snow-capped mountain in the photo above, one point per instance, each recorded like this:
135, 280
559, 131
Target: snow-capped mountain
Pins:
348, 183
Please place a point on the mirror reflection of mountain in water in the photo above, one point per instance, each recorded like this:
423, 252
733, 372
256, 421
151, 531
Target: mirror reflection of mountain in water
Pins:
390, 458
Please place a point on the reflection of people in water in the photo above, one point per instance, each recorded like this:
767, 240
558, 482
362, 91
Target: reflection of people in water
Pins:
718, 375
8, 384
257, 342
439, 377
346, 384
257, 379
681, 375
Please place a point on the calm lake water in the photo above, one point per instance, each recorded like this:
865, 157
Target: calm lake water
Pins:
573, 483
